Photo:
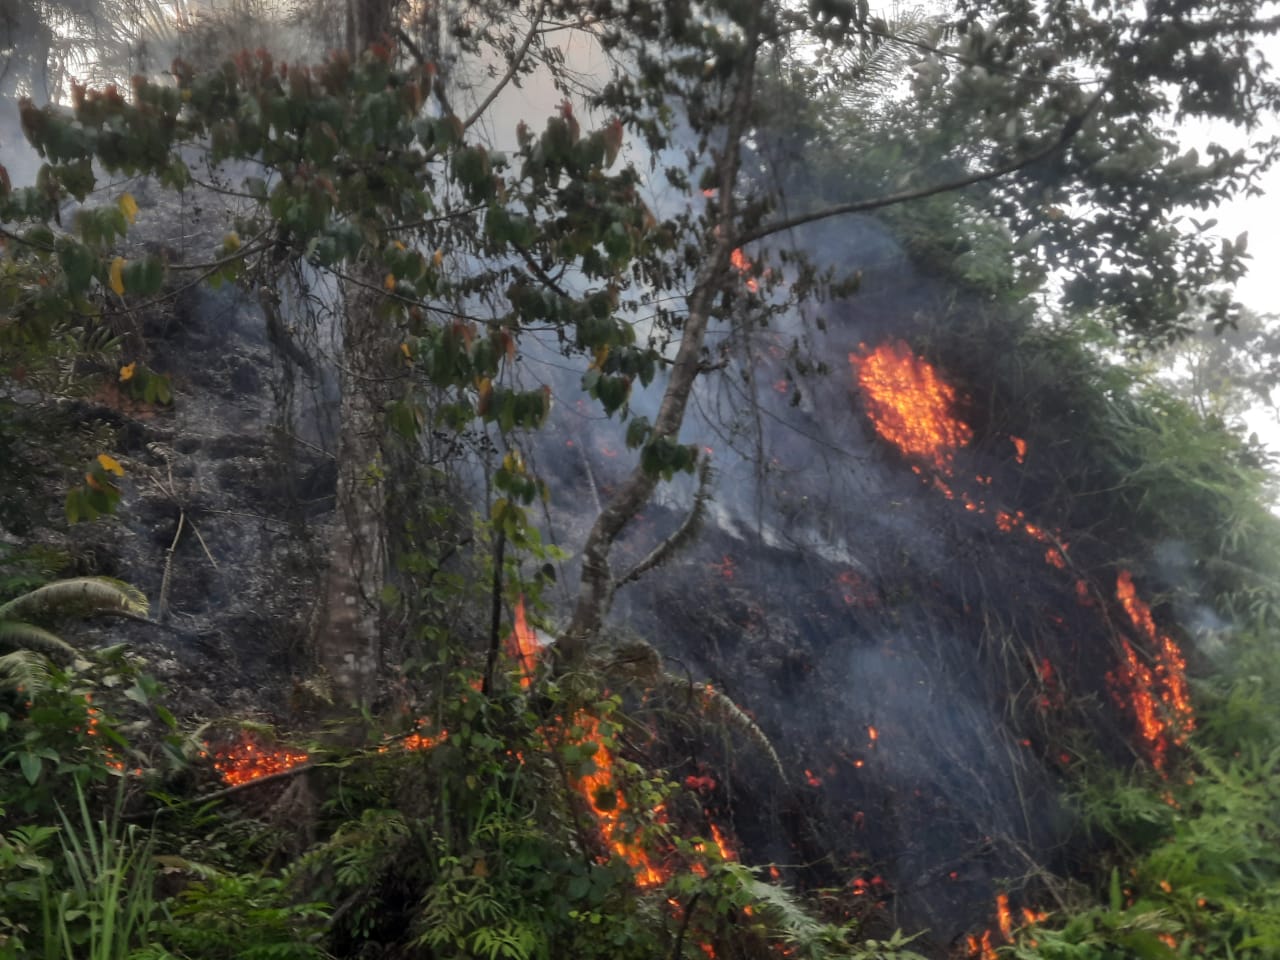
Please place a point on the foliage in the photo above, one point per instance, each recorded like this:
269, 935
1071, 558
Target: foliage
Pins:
105, 910
81, 595
237, 917
1197, 864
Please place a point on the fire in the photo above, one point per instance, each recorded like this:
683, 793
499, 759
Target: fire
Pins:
1020, 448
983, 947
609, 805
1003, 917
247, 760
743, 265
909, 404
425, 741
855, 590
523, 645
1158, 694
725, 567
722, 843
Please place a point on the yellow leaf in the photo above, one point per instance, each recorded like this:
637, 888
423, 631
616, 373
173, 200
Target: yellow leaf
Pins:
601, 355
126, 372
398, 245
110, 464
117, 275
437, 258
231, 242
91, 482
389, 281
408, 354
128, 206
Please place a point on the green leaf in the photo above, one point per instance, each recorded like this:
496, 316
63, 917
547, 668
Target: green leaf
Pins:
31, 765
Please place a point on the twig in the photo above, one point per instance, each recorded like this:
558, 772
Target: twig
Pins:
511, 70
162, 607
204, 546
684, 925
1069, 130
494, 642
664, 550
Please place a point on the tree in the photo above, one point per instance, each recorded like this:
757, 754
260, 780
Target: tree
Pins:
367, 173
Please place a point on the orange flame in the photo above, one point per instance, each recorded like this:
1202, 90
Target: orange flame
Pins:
981, 948
247, 760
1158, 694
609, 805
1003, 917
909, 404
523, 646
743, 265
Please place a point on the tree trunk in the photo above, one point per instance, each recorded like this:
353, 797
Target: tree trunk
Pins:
367, 22
597, 587
348, 641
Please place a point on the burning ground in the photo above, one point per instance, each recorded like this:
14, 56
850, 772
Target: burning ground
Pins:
909, 602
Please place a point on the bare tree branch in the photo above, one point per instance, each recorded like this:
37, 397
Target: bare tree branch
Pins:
1069, 130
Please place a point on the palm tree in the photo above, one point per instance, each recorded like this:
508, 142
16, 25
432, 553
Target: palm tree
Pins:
78, 595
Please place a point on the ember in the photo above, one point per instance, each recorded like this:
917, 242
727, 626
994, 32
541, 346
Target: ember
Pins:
247, 760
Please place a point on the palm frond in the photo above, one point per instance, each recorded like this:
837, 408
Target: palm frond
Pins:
77, 593
24, 670
29, 637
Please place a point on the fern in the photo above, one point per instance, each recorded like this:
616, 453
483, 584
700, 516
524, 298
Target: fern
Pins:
79, 595
24, 671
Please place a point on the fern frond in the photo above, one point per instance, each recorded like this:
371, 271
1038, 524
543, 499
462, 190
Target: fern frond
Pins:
28, 637
24, 670
94, 593
718, 707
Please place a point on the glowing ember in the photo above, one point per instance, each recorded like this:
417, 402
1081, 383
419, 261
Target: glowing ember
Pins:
1020, 448
812, 779
425, 741
247, 760
609, 805
1157, 694
523, 646
725, 567
909, 404
855, 590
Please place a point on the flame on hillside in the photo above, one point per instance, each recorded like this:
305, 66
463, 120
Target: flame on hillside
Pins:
909, 404
523, 646
609, 805
913, 408
1157, 693
984, 947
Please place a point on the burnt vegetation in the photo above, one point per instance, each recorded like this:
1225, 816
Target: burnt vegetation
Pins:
543, 480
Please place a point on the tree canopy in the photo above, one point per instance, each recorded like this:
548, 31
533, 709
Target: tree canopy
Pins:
646, 234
